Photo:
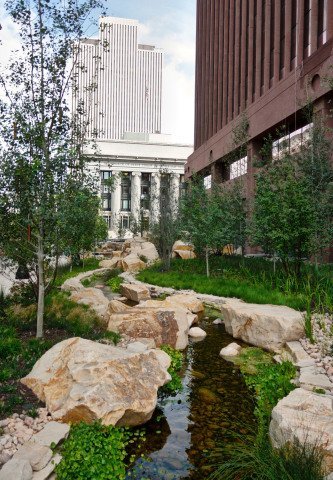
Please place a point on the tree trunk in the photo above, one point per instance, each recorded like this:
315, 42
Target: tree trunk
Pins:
207, 262
41, 289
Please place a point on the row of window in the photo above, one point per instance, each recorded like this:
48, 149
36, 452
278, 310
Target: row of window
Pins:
125, 196
289, 143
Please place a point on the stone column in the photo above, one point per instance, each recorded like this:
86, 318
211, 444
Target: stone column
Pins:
115, 202
174, 191
155, 197
136, 195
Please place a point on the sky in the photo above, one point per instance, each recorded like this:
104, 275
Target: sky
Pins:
167, 24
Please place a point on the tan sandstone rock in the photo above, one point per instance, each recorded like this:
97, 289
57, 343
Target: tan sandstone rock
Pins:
179, 245
184, 254
307, 417
265, 326
134, 292
94, 298
131, 263
81, 380
109, 263
165, 326
178, 307
116, 307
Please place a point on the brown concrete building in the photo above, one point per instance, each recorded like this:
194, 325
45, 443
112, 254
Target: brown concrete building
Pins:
262, 57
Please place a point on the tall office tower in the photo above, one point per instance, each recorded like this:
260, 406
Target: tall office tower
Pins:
118, 82
258, 61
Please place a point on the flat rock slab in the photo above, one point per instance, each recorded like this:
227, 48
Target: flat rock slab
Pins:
265, 326
82, 380
53, 432
299, 356
38, 455
310, 378
306, 417
136, 293
47, 471
16, 469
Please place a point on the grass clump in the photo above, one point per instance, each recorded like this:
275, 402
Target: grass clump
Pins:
94, 452
256, 459
114, 283
254, 280
177, 359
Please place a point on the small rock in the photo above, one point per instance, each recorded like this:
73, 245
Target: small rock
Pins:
197, 332
232, 350
218, 321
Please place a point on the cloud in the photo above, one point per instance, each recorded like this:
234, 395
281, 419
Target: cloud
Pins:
167, 25
175, 34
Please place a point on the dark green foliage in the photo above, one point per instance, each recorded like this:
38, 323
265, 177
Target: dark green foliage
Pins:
293, 207
94, 452
177, 359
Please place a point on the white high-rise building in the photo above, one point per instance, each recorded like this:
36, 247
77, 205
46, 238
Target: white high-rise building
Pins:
118, 86
119, 82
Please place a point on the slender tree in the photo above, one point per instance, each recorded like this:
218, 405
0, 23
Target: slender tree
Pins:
41, 157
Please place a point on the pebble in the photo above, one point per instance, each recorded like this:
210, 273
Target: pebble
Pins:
18, 429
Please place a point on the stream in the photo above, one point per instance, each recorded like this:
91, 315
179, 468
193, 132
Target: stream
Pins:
188, 428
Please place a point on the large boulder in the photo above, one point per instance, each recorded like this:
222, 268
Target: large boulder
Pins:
184, 254
112, 263
131, 263
265, 326
163, 325
115, 306
134, 292
94, 298
305, 417
179, 300
82, 380
177, 307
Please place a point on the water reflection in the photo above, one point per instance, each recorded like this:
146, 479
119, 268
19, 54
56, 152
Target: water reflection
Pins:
214, 399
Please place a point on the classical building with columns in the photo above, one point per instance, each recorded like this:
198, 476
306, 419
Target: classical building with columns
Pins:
257, 63
135, 167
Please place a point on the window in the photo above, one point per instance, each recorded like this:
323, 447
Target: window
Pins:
322, 22
126, 192
106, 190
282, 36
307, 28
145, 191
292, 142
208, 182
238, 168
293, 34
108, 221
125, 222
106, 201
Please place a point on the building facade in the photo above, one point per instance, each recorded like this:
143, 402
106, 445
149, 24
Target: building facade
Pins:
118, 82
259, 60
136, 167
118, 87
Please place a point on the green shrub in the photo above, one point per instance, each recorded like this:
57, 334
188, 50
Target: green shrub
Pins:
94, 452
270, 384
114, 283
175, 385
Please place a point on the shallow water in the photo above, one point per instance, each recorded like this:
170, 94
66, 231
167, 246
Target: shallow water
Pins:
187, 429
